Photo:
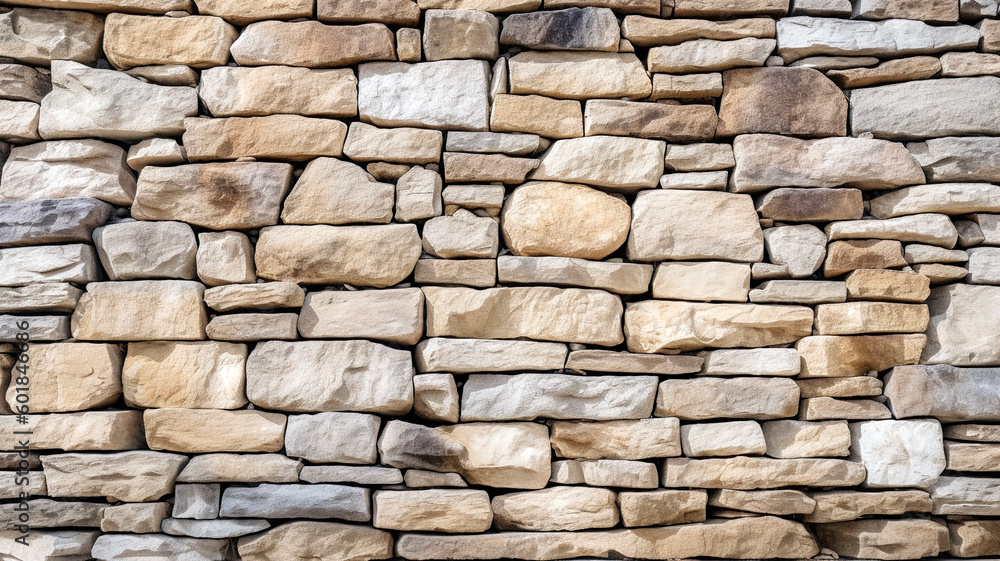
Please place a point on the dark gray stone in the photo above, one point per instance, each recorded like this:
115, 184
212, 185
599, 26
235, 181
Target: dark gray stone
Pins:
298, 501
23, 83
50, 221
579, 29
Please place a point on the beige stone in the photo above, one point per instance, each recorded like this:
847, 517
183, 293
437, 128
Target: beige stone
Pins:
312, 44
552, 118
195, 41
973, 432
524, 397
846, 256
852, 318
225, 258
573, 75
375, 256
68, 169
134, 476
398, 12
402, 144
205, 375
462, 234
733, 398
252, 327
798, 292
503, 455
669, 224
181, 430
824, 408
332, 191
620, 278
450, 34
648, 7
949, 393
20, 121
231, 91
393, 315
556, 508
803, 439
744, 473
781, 502
155, 152
40, 36
974, 538
661, 507
651, 31
781, 100
699, 157
70, 377
946, 198
799, 249
330, 376
232, 195
166, 75
462, 167
282, 137
773, 537
827, 356
884, 284
433, 510
899, 453
48, 263
87, 430
965, 341
39, 297
705, 281
435, 397
676, 123
137, 518
710, 8
605, 473
408, 44
260, 296
810, 205
240, 14
484, 355
885, 539
600, 161
242, 468
617, 440
854, 386
122, 311
898, 70
541, 313
147, 250
687, 86
751, 362
321, 541
767, 160
838, 506
969, 456
529, 228
665, 326
732, 438
707, 55
965, 496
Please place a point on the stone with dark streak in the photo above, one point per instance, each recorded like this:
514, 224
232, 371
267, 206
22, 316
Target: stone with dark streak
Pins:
811, 205
573, 29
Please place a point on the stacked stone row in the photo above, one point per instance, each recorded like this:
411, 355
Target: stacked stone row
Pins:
484, 279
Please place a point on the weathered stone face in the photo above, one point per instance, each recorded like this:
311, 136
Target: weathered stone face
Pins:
794, 101
144, 310
195, 41
68, 169
400, 94
41, 36
206, 375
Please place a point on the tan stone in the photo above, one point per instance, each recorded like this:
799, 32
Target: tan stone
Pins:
122, 311
136, 518
828, 357
898, 70
88, 430
974, 538
885, 539
846, 256
699, 157
825, 408
70, 377
556, 508
252, 327
435, 397
883, 284
710, 8
838, 506
973, 432
483, 355
433, 510
805, 36
393, 315
233, 195
460, 34
707, 55
617, 440
743, 473
376, 256
319, 541
665, 326
281, 137
134, 476
706, 281
651, 32
802, 439
731, 438
939, 273
462, 234
678, 123
588, 224
242, 468
600, 161
20, 121
733, 398
809, 205
854, 386
366, 143
540, 313
934, 10
242, 14
260, 296
506, 455
205, 375
328, 192
230, 91
478, 273
398, 12
181, 430
461, 167
669, 224
195, 41
312, 44
225, 258
620, 278
795, 101
851, 318
552, 118
39, 297
40, 36
969, 456
605, 473
797, 291
687, 86
68, 169
662, 507
147, 250
781, 502
572, 75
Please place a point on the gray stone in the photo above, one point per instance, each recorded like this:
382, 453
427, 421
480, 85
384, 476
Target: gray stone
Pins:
976, 496
342, 438
318, 541
46, 513
958, 158
297, 501
803, 36
800, 249
734, 438
241, 468
48, 263
751, 362
524, 397
104, 103
462, 234
573, 29
945, 392
49, 545
147, 250
745, 472
40, 36
39, 297
361, 475
605, 473
806, 292
41, 328
213, 529
50, 221
493, 143
134, 476
196, 501
127, 547
68, 169
959, 333
944, 198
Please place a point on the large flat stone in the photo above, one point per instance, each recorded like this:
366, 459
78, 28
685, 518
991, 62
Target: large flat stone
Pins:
394, 315
569, 75
330, 376
817, 204
71, 377
312, 44
704, 280
274, 137
556, 508
928, 108
232, 91
765, 160
803, 36
135, 476
50, 221
839, 506
333, 437
828, 356
141, 310
959, 333
781, 100
376, 256
506, 455
440, 354
667, 326
48, 263
41, 36
652, 31
125, 547
885, 539
975, 496
319, 541
219, 196
945, 392
147, 250
572, 29
617, 440
241, 468
297, 501
601, 161
450, 94
195, 41
182, 430
525, 397
733, 398
105, 103
241, 14
68, 169
743, 472
433, 510
958, 158
573, 315
620, 278
706, 55
88, 430
944, 198
676, 123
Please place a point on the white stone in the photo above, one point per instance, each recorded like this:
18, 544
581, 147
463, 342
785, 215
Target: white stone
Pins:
618, 163
899, 453
735, 438
800, 249
147, 250
752, 362
68, 169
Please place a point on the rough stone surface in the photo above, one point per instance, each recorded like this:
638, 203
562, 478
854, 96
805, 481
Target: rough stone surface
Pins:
448, 94
827, 356
135, 476
433, 510
803, 36
195, 41
617, 163
882, 447
524, 397
886, 539
945, 392
962, 342
556, 508
569, 75
180, 430
208, 375
394, 315
323, 541
147, 250
283, 137
68, 169
41, 36
316, 92
297, 501
734, 398
744, 473
312, 44
780, 100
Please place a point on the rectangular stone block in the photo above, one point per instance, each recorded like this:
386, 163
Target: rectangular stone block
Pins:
393, 315
734, 398
141, 310
524, 397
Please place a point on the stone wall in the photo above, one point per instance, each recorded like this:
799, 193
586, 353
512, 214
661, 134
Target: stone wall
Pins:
345, 280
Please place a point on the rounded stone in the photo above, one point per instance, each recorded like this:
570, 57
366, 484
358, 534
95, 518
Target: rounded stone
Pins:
564, 220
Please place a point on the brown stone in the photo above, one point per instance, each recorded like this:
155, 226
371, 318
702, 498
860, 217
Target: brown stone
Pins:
799, 101
886, 284
850, 318
844, 256
195, 41
183, 430
662, 507
460, 167
890, 71
312, 44
839, 506
275, 137
677, 123
885, 539
544, 116
974, 538
972, 456
828, 356
729, 8
789, 204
